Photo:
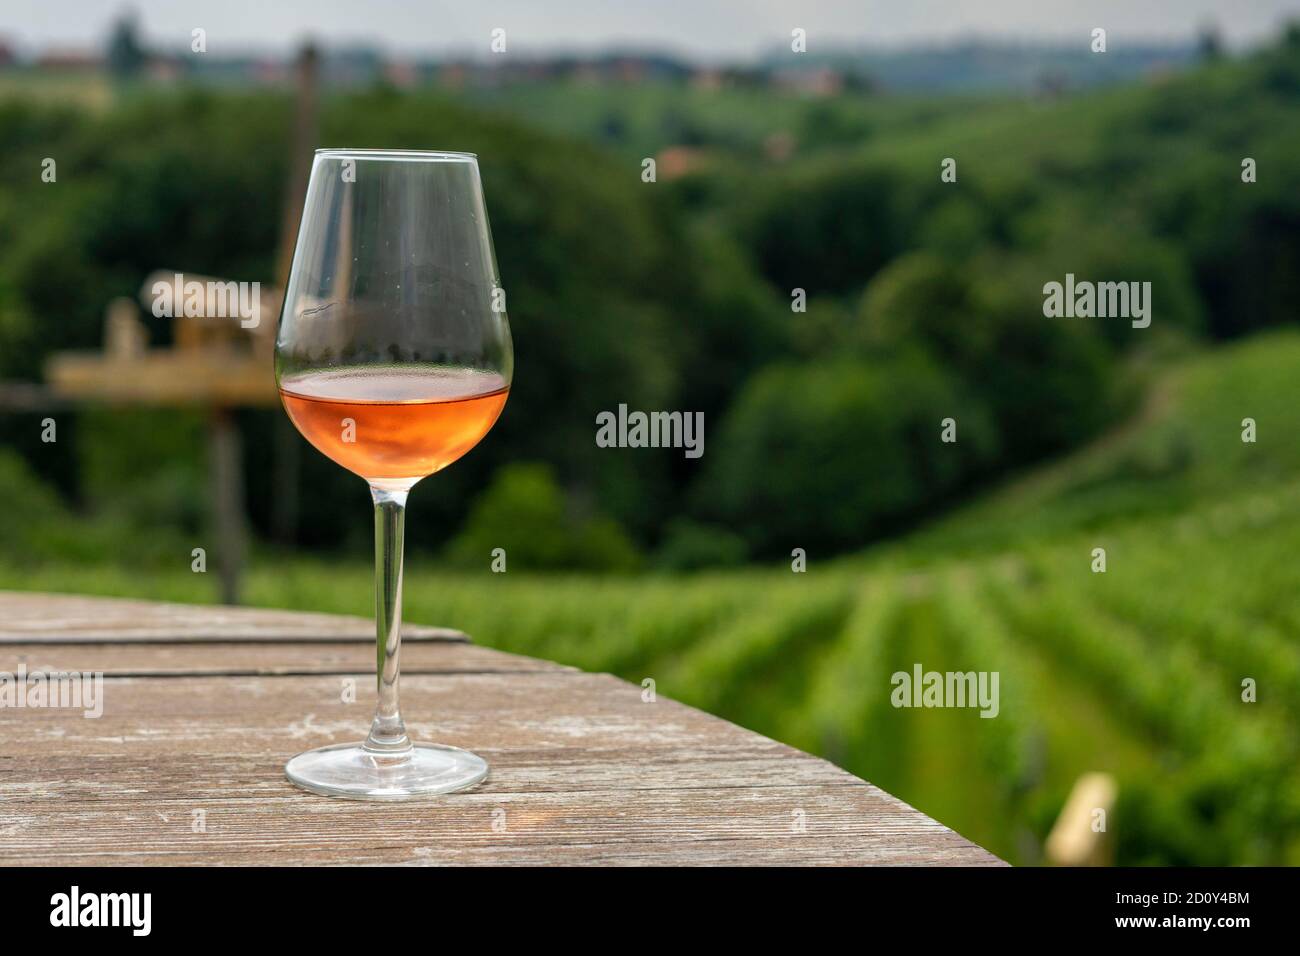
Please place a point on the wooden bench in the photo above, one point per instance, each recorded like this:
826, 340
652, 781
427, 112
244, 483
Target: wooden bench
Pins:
202, 706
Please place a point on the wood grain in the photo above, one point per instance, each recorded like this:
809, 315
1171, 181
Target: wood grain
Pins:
584, 770
241, 659
163, 377
27, 617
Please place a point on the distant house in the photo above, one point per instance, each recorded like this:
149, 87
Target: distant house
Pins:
779, 146
822, 81
164, 69
452, 75
707, 79
70, 61
402, 74
674, 162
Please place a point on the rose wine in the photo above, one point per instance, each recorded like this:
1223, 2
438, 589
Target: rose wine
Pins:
397, 422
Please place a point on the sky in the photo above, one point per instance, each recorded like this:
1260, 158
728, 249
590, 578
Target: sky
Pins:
700, 29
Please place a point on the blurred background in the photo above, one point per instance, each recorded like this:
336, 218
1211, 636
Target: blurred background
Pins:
800, 273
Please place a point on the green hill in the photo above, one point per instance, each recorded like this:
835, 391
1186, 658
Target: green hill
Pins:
1175, 455
1137, 670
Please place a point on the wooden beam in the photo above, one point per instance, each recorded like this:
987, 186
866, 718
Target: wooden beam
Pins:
227, 472
163, 377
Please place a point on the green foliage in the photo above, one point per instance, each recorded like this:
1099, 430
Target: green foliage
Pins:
802, 238
126, 55
37, 527
31, 508
599, 272
1044, 384
524, 512
823, 454
171, 492
689, 545
1064, 237
640, 119
1174, 456
675, 295
1163, 161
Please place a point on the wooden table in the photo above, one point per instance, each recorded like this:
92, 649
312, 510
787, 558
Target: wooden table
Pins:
203, 705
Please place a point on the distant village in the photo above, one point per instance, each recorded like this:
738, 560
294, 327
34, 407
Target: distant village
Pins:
125, 56
972, 66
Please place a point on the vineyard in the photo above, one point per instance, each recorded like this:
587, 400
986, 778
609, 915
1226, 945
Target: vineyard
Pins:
1137, 670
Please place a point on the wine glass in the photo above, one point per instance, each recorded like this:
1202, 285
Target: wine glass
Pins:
393, 358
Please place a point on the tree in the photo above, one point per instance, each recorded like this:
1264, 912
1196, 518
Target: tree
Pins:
126, 55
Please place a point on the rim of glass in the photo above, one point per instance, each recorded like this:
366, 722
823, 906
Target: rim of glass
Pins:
414, 155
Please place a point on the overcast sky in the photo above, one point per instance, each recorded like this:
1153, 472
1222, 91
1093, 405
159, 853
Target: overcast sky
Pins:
726, 29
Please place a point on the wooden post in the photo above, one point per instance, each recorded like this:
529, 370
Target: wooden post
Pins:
285, 451
125, 336
300, 157
284, 469
228, 496
1081, 836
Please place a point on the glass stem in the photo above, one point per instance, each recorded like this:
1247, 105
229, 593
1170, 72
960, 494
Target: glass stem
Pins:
387, 732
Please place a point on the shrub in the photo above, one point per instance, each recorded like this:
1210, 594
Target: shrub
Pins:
1047, 383
829, 454
689, 545
524, 512
808, 230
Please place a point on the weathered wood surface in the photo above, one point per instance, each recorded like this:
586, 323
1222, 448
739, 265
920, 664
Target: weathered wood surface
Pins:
584, 770
72, 618
249, 659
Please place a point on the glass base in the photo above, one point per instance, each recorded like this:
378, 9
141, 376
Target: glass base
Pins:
352, 771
